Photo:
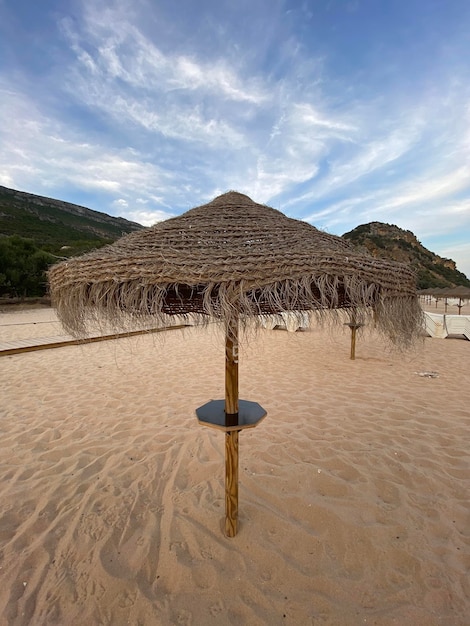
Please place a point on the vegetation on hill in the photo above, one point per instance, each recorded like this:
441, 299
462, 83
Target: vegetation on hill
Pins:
390, 242
58, 227
36, 231
22, 267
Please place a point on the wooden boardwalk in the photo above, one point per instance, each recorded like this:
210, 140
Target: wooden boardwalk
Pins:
45, 343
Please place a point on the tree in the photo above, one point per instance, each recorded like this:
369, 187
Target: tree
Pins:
23, 267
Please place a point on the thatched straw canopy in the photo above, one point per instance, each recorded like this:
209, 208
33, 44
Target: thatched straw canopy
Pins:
231, 258
447, 292
463, 293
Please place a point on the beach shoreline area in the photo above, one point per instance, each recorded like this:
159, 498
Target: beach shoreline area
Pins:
353, 490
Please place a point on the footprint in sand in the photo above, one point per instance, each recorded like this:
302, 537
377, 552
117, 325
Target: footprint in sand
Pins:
123, 559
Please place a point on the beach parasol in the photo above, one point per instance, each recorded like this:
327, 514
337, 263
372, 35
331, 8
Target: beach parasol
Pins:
460, 293
231, 260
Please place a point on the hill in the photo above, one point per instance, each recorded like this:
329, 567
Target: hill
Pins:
35, 231
391, 242
58, 227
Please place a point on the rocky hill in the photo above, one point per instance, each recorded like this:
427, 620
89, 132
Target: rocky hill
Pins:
390, 242
56, 226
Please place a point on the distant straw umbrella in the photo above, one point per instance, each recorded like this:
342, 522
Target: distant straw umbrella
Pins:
232, 260
459, 293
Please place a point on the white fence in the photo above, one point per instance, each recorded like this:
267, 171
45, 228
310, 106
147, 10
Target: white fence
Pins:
440, 326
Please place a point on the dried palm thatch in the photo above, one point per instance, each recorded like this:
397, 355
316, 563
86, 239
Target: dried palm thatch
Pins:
231, 258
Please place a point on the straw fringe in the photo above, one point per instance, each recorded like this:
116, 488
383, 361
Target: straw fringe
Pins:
115, 306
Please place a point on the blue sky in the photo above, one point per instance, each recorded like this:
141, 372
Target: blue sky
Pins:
334, 111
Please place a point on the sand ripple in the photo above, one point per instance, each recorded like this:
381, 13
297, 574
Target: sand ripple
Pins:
353, 491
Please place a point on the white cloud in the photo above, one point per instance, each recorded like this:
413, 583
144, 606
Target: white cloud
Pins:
300, 138
365, 157
311, 118
431, 189
121, 204
147, 218
41, 154
154, 110
217, 78
460, 253
262, 145
111, 47
172, 122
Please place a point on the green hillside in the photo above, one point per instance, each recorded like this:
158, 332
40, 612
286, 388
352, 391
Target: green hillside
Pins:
58, 227
36, 231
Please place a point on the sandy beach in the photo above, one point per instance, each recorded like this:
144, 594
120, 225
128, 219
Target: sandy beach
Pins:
354, 491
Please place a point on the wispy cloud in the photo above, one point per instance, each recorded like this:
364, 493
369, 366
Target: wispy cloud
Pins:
421, 191
140, 212
111, 46
417, 175
262, 145
54, 157
148, 111
129, 80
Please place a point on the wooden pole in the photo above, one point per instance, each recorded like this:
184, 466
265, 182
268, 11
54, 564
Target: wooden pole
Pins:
353, 326
231, 483
353, 342
231, 437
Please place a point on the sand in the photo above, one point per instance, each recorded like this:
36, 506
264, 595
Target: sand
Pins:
439, 306
353, 491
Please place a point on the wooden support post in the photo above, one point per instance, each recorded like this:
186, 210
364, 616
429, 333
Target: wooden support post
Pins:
353, 325
231, 374
353, 341
231, 438
231, 483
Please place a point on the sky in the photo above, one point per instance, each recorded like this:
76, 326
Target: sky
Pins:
337, 112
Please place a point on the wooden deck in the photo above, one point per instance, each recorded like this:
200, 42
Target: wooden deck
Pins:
45, 343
